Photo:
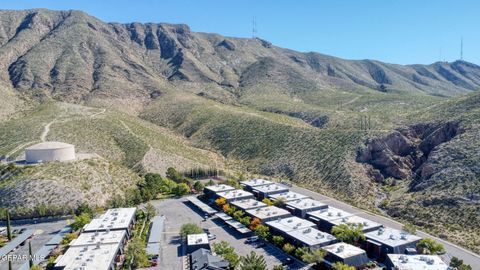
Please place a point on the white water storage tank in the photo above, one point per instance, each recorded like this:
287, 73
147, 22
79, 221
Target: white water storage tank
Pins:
50, 151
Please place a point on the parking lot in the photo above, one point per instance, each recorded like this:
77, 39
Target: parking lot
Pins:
177, 212
43, 233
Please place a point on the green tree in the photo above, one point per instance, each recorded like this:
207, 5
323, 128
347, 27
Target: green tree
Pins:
174, 175
280, 202
222, 247
267, 201
69, 237
226, 251
181, 189
314, 256
136, 255
458, 264
237, 215
277, 240
299, 252
190, 228
80, 221
150, 210
288, 248
245, 220
429, 246
348, 233
262, 231
342, 266
9, 225
233, 259
198, 186
84, 208
210, 182
253, 262
278, 267
36, 267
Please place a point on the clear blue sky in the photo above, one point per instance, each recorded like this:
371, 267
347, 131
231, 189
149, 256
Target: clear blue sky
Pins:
405, 32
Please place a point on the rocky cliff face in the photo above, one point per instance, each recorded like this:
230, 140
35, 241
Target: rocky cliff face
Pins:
404, 153
76, 57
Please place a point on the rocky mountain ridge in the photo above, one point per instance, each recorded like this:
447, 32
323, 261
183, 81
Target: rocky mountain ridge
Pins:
76, 57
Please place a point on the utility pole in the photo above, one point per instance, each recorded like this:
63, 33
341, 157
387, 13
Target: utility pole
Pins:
254, 27
9, 226
30, 255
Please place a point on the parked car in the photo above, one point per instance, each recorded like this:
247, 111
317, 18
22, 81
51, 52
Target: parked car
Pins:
211, 236
252, 239
287, 261
260, 244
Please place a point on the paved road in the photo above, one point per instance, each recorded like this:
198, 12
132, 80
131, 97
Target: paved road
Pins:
451, 249
177, 212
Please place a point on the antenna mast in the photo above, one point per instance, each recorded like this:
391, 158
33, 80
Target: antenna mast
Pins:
254, 27
461, 48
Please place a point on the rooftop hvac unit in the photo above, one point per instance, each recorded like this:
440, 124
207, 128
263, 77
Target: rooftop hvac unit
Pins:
305, 204
392, 237
294, 195
430, 261
403, 236
380, 231
365, 223
339, 214
344, 219
330, 214
403, 259
340, 248
199, 240
290, 220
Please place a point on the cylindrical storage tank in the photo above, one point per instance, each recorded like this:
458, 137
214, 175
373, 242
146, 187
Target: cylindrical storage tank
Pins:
49, 151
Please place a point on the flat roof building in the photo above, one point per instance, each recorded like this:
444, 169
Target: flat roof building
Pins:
211, 191
197, 241
311, 238
367, 225
247, 204
268, 213
250, 184
345, 253
100, 238
262, 192
89, 257
113, 219
301, 207
234, 195
389, 241
415, 262
284, 225
324, 217
288, 196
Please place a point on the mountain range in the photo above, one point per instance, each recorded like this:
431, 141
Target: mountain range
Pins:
396, 139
